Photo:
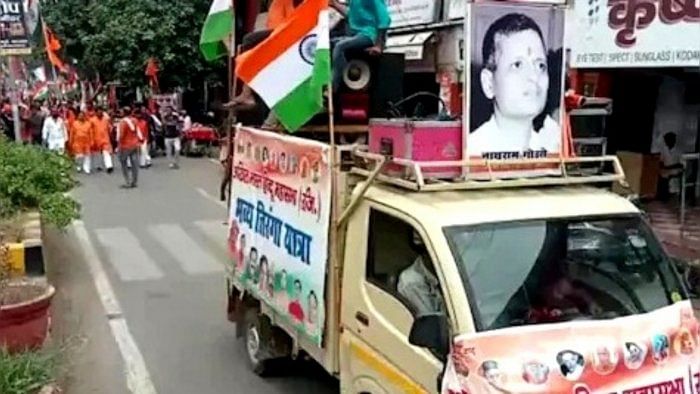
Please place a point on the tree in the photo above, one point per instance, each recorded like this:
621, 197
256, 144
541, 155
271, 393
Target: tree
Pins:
115, 38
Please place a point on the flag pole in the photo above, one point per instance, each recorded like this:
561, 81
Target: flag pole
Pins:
231, 114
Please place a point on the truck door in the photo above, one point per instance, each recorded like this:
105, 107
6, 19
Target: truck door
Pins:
384, 289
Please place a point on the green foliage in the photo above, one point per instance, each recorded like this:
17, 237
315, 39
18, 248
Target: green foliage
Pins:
59, 209
117, 37
27, 372
35, 178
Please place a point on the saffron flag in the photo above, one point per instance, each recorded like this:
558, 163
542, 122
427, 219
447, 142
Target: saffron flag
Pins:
215, 39
152, 74
53, 45
290, 69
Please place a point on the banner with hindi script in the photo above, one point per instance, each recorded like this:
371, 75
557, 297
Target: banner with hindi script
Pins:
14, 35
651, 353
279, 224
634, 33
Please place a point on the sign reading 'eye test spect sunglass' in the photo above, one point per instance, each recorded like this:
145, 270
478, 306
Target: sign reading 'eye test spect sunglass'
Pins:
635, 33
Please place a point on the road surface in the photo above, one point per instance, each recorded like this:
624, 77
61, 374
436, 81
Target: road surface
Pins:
141, 299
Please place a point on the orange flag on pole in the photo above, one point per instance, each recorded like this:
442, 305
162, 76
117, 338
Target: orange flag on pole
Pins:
53, 45
152, 74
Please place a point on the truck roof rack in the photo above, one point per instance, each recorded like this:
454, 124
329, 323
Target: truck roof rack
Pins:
560, 171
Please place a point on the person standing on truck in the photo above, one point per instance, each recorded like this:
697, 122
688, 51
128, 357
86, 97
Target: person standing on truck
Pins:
368, 22
279, 12
515, 77
418, 284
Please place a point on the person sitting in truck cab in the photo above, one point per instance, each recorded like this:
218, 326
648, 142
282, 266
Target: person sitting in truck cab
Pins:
561, 298
368, 22
418, 284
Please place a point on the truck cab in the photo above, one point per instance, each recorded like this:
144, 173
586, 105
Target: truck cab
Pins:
416, 263
501, 258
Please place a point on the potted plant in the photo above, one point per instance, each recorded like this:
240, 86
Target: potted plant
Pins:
31, 179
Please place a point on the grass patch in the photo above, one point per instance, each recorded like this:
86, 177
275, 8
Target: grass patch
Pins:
29, 372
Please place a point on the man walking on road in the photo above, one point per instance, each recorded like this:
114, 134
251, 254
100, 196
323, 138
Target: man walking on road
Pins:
54, 133
81, 141
144, 128
102, 145
129, 139
171, 125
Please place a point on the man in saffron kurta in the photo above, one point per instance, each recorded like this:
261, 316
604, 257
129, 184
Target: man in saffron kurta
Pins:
69, 118
142, 123
81, 137
101, 142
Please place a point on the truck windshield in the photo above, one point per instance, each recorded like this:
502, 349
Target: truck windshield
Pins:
547, 271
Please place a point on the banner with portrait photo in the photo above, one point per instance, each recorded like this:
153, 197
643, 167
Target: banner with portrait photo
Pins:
651, 353
279, 223
516, 85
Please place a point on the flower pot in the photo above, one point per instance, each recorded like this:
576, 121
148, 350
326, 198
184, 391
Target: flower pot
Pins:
25, 324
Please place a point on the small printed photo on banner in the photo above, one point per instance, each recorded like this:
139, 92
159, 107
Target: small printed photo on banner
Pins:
535, 372
571, 364
516, 81
605, 359
634, 354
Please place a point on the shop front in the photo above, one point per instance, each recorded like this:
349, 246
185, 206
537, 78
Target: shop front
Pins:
645, 56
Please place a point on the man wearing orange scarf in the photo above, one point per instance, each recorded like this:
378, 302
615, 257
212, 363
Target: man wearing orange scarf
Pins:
101, 142
81, 141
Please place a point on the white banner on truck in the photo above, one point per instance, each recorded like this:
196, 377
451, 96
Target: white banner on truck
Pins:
412, 12
635, 33
279, 223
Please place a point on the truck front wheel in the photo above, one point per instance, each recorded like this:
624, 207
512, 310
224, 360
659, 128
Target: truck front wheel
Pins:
255, 343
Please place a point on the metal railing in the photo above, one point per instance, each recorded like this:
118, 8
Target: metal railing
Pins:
484, 174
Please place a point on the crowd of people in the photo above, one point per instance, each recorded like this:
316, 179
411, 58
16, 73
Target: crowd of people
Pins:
92, 135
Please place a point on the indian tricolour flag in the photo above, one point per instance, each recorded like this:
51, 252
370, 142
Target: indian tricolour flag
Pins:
41, 93
215, 39
290, 69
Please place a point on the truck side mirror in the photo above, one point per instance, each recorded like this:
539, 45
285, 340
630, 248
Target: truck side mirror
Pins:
431, 332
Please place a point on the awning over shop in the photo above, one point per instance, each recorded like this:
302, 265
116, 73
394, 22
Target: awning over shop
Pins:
411, 45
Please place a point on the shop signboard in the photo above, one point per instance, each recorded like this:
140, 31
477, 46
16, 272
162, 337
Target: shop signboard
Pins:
635, 33
412, 12
14, 36
651, 353
279, 225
